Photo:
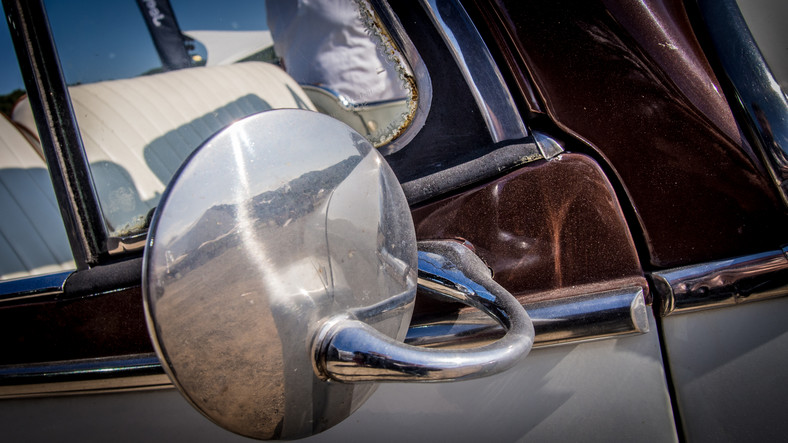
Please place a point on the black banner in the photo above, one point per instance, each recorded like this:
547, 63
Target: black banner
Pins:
165, 32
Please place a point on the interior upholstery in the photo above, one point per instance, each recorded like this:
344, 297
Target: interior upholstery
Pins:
137, 132
32, 237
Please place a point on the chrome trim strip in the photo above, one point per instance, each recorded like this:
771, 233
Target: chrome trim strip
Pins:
573, 319
31, 287
131, 372
548, 146
722, 283
756, 89
423, 82
58, 131
120, 245
96, 386
479, 69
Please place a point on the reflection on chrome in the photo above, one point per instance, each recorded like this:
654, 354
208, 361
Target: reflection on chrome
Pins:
722, 283
574, 319
348, 350
756, 89
281, 221
479, 69
245, 221
548, 146
89, 376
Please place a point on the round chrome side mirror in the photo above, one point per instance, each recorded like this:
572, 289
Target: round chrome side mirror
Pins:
281, 270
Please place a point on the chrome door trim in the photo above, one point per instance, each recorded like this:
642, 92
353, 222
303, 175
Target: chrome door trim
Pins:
478, 68
39, 287
722, 283
574, 319
88, 376
595, 316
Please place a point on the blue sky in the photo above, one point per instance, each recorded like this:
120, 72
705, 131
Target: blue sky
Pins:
10, 78
106, 39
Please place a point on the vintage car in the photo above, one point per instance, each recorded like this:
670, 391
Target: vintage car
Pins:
204, 240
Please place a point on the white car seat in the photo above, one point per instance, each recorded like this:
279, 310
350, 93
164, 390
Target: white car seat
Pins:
138, 131
32, 237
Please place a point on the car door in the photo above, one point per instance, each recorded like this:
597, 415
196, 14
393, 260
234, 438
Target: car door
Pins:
714, 336
545, 217
708, 245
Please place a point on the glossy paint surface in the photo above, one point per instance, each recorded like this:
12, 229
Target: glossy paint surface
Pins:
630, 80
91, 327
549, 226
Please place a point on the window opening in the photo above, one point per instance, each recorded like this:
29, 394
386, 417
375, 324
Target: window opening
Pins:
142, 106
33, 239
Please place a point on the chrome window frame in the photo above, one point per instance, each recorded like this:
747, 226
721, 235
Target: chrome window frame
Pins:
77, 192
423, 83
480, 71
60, 139
754, 88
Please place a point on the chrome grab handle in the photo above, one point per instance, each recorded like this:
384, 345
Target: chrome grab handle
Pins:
349, 350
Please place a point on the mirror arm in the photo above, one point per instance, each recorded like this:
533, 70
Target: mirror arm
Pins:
348, 350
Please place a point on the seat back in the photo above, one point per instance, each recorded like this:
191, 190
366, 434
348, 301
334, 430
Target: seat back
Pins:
137, 132
32, 237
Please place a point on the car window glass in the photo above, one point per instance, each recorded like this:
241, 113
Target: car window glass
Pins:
32, 236
151, 80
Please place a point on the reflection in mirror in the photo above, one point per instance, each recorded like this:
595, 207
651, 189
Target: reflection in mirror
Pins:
33, 239
151, 81
254, 247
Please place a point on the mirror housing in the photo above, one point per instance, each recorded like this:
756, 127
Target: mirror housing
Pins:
278, 223
280, 273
